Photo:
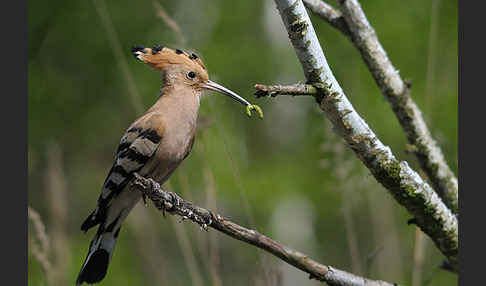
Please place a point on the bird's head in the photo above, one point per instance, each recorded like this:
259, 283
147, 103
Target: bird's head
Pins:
180, 67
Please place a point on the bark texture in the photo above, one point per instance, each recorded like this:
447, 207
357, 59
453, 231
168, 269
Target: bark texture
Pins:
407, 187
354, 24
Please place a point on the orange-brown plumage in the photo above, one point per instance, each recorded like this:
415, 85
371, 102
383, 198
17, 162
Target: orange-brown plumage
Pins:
166, 57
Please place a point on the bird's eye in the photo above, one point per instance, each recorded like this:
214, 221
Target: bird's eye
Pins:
191, 75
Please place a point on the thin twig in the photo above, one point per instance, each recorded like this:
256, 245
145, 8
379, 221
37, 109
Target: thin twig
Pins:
171, 203
147, 242
118, 52
418, 257
58, 214
188, 253
329, 14
370, 258
407, 187
185, 190
294, 90
161, 13
342, 166
385, 237
432, 54
351, 237
42, 249
241, 188
187, 250
396, 91
214, 256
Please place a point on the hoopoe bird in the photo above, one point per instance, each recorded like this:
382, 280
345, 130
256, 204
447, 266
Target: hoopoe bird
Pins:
153, 146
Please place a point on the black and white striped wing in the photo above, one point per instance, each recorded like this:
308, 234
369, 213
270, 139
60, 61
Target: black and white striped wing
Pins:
135, 149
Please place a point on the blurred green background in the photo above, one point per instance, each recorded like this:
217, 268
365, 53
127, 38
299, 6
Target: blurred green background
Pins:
289, 176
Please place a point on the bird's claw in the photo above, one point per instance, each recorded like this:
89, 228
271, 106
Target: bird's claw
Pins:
257, 108
170, 202
176, 199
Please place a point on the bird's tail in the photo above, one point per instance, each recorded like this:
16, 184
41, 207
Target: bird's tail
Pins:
99, 255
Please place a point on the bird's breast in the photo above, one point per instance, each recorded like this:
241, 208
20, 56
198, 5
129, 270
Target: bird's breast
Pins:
177, 145
174, 147
177, 111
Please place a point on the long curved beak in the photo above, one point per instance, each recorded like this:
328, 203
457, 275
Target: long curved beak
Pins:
211, 85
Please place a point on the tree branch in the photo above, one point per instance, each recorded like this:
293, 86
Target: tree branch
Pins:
329, 14
353, 24
173, 204
293, 90
407, 187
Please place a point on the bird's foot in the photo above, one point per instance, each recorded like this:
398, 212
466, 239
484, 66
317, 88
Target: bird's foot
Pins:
176, 199
145, 186
170, 201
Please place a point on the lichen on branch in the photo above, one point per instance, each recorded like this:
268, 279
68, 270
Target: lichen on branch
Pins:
407, 187
352, 22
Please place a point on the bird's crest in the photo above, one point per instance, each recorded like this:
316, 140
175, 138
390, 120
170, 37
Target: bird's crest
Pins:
160, 57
